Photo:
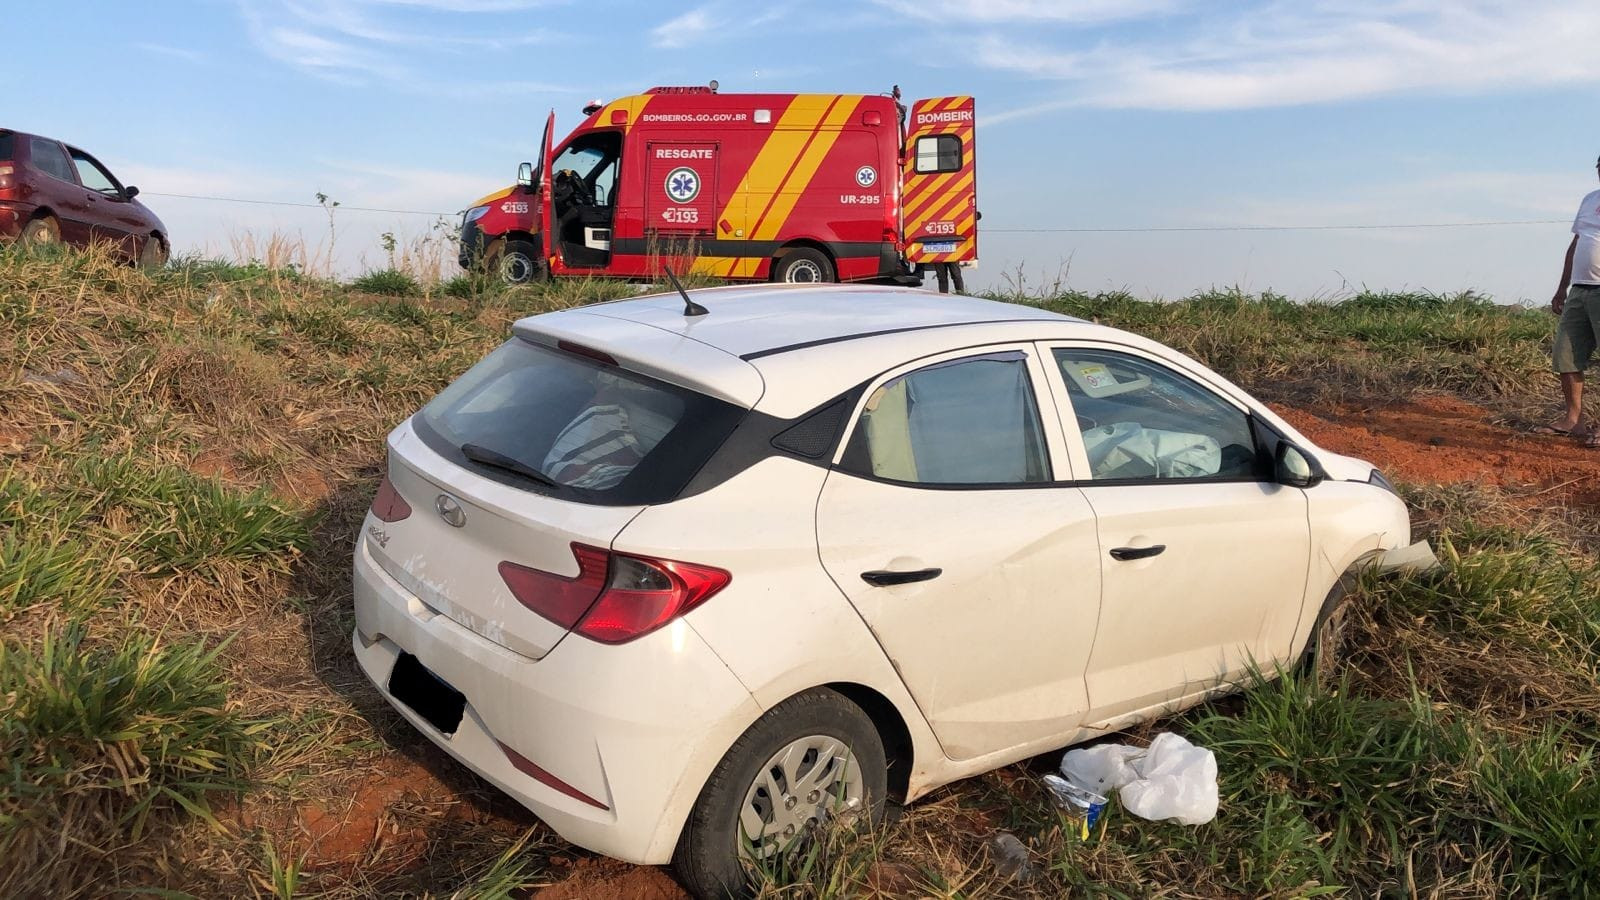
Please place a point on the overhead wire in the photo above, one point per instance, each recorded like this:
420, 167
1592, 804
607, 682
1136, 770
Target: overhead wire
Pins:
989, 229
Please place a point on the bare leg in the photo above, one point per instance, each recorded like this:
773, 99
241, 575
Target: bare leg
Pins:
1572, 393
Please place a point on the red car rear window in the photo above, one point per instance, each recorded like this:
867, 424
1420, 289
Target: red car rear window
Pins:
7, 145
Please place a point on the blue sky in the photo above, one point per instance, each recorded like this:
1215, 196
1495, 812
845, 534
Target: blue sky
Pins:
1093, 114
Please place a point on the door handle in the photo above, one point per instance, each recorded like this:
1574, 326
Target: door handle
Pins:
1126, 553
884, 577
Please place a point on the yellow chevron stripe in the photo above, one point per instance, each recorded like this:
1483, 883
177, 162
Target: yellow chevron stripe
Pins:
928, 211
490, 198
805, 168
714, 266
634, 105
776, 157
927, 192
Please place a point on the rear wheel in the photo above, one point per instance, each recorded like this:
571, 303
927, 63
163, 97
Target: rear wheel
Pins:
803, 265
516, 262
153, 255
44, 231
812, 758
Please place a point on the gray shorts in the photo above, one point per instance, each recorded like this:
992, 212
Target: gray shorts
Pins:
1578, 329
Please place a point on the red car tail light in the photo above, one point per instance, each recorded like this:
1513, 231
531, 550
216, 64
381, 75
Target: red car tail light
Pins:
388, 505
558, 598
615, 597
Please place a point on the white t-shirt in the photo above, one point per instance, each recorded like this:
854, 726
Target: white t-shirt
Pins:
1586, 258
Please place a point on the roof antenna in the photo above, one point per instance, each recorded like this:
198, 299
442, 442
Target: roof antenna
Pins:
690, 308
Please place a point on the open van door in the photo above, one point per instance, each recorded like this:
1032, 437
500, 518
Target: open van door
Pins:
938, 186
546, 196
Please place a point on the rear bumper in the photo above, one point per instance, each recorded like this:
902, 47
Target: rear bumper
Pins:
13, 216
637, 727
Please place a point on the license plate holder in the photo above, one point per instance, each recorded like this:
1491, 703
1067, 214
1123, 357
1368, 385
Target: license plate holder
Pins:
426, 694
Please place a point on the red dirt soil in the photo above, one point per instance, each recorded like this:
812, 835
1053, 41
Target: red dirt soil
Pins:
608, 879
1445, 440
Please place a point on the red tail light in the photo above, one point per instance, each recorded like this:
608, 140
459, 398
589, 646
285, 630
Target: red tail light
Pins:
558, 598
615, 597
388, 505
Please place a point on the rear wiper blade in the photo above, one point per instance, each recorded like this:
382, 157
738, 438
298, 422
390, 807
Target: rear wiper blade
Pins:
494, 458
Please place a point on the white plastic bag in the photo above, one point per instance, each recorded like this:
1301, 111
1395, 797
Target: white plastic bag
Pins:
1171, 779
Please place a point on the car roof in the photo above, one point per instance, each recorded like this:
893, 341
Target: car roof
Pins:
790, 346
751, 322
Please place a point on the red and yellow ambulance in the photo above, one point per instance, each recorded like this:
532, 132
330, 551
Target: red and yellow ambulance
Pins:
751, 187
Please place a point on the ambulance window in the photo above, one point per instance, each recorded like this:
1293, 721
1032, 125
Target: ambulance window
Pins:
938, 153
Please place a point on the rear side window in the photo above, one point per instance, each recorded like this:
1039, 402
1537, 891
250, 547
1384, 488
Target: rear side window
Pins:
48, 157
577, 427
967, 422
8, 145
938, 153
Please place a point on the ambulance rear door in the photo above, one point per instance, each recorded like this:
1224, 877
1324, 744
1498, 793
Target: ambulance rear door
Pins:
938, 186
680, 200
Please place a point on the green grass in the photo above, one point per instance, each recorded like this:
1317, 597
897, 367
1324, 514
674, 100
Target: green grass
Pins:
391, 282
99, 737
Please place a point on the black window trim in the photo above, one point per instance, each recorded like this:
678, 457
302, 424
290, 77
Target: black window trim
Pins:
34, 163
116, 182
1025, 348
937, 139
1260, 430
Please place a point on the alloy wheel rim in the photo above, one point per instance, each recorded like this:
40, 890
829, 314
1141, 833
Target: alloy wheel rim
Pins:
800, 787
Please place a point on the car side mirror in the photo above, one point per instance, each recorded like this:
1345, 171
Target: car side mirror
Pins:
130, 192
1294, 468
525, 176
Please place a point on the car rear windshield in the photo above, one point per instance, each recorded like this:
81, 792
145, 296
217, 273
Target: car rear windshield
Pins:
8, 145
563, 424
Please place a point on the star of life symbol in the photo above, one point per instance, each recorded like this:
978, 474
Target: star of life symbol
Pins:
866, 176
683, 184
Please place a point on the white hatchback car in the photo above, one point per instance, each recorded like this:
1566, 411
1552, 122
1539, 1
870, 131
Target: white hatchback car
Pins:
682, 584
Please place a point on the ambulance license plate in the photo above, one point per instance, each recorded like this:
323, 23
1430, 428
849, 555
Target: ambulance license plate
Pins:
938, 246
427, 694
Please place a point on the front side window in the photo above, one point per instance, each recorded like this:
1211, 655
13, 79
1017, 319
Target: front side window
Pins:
938, 153
93, 176
971, 421
1141, 421
48, 158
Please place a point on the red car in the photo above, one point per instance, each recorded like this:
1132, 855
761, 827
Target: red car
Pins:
51, 192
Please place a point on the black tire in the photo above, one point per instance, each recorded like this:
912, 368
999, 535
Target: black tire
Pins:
708, 857
44, 231
1325, 647
803, 265
153, 255
516, 262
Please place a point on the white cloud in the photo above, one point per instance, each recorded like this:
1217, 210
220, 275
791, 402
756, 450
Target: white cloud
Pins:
359, 41
684, 30
1318, 51
1030, 11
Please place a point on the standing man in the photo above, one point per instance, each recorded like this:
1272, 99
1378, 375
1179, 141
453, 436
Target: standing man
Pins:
1578, 331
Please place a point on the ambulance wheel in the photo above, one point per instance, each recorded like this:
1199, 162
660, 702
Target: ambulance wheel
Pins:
516, 262
803, 265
